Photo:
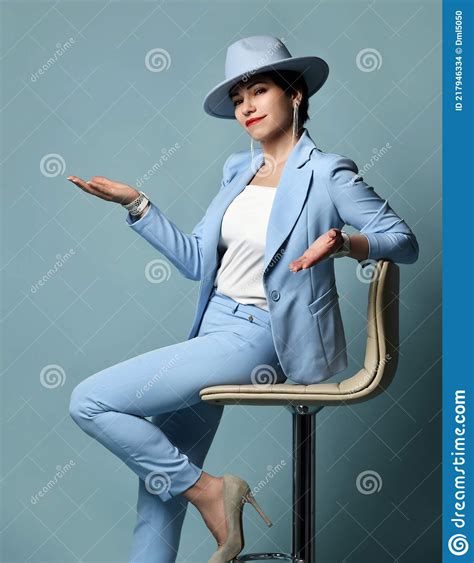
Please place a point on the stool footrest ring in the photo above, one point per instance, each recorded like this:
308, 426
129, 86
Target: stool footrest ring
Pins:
266, 557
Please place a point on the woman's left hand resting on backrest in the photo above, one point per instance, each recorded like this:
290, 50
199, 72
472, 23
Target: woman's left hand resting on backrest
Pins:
325, 245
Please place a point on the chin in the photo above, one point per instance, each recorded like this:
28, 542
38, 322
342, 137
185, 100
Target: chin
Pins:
260, 135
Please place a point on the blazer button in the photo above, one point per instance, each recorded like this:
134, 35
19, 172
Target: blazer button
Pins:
275, 295
250, 318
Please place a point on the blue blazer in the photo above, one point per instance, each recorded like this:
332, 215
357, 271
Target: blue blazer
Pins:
317, 191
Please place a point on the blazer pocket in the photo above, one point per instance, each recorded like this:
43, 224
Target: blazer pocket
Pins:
327, 315
323, 301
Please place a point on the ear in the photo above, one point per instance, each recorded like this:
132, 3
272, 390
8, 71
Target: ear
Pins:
297, 97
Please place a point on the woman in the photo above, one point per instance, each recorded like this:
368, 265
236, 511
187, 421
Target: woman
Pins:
255, 318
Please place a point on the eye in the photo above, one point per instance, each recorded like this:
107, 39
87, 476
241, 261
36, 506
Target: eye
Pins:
236, 102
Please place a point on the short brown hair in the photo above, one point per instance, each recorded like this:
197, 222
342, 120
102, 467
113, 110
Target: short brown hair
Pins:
290, 81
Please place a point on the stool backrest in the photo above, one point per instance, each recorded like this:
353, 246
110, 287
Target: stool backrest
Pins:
381, 352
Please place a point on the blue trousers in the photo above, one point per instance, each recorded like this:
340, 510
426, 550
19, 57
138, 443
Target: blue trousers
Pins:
234, 345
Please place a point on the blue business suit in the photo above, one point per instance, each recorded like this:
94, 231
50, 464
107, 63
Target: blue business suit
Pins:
317, 191
167, 452
301, 336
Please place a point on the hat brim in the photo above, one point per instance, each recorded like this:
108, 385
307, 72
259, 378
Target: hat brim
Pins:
315, 71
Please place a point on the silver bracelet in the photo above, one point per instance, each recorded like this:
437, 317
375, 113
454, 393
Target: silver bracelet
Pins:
345, 248
136, 206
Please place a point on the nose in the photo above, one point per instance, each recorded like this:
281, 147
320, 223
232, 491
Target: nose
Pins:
248, 108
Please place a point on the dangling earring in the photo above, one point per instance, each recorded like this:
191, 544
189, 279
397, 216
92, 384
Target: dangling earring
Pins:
295, 122
252, 151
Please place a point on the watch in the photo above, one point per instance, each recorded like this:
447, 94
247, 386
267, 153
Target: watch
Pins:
136, 206
345, 248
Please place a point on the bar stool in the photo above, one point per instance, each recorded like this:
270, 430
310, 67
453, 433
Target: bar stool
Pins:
305, 401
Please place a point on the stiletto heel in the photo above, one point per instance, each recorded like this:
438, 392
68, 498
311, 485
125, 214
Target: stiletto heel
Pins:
236, 493
251, 499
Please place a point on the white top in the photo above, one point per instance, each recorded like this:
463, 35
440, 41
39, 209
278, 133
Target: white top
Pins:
242, 246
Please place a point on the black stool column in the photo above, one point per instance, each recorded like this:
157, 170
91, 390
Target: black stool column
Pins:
304, 483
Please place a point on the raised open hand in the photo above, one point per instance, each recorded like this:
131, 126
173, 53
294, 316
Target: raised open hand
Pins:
106, 189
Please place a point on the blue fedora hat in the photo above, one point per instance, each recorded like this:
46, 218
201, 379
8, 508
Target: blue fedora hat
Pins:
251, 55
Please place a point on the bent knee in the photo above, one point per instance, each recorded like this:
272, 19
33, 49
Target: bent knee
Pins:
81, 403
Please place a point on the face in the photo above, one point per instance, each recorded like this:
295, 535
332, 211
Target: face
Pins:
261, 97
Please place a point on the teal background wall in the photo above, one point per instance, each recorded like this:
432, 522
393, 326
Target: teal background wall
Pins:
99, 109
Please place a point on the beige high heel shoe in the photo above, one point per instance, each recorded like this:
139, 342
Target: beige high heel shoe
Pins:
236, 493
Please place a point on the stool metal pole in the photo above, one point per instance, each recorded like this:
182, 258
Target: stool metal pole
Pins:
304, 483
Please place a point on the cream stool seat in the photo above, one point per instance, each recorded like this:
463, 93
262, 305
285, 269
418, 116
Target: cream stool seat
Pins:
304, 401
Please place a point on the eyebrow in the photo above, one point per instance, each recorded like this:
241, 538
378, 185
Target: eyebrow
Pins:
249, 86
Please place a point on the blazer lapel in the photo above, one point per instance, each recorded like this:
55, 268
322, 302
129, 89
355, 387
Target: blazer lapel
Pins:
287, 206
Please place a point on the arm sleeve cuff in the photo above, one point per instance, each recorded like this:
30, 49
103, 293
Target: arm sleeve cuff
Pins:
138, 224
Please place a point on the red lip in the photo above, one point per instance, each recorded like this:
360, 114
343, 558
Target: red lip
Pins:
253, 120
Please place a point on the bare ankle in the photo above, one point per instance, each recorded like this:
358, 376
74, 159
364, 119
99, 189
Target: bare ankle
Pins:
204, 490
